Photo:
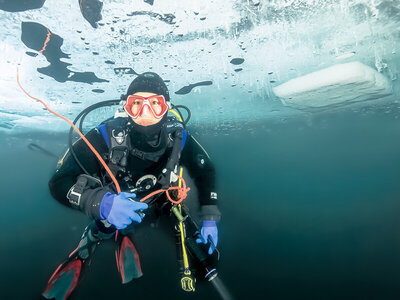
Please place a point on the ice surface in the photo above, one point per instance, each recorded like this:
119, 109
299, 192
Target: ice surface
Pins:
277, 41
353, 81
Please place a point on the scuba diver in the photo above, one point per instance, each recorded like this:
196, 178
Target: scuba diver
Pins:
145, 150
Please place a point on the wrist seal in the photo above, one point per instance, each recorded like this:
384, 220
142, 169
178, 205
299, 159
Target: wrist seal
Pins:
82, 183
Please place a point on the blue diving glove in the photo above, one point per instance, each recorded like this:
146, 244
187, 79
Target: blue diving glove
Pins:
119, 210
209, 229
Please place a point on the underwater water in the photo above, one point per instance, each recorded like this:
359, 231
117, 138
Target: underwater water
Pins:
310, 211
296, 101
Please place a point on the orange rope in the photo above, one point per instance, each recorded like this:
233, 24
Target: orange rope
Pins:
45, 42
182, 192
77, 130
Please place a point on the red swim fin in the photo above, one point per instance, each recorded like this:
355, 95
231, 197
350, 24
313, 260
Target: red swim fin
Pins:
127, 258
64, 280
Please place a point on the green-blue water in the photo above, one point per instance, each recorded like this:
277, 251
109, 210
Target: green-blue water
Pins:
310, 211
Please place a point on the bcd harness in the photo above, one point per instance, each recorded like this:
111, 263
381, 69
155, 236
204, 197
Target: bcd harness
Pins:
116, 133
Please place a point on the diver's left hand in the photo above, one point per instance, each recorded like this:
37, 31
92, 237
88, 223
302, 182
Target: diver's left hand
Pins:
209, 229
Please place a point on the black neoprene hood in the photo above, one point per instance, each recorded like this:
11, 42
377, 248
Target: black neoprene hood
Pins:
149, 82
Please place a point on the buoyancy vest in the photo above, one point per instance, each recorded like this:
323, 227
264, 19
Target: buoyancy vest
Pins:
116, 133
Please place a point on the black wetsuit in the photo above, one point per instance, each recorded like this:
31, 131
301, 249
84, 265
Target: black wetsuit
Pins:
193, 157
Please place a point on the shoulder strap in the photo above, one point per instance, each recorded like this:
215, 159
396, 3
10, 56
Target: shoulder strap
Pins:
108, 125
117, 139
173, 125
184, 137
103, 130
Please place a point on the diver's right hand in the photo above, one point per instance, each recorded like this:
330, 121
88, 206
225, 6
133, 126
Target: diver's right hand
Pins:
119, 210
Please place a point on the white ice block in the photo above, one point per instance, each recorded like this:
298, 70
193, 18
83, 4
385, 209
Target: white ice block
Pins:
352, 81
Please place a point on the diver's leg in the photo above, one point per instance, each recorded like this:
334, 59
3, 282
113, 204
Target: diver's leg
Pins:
65, 279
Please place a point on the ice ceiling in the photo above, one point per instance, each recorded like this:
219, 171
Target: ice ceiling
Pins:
226, 60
